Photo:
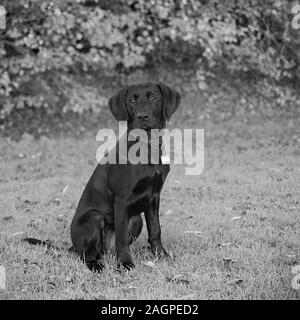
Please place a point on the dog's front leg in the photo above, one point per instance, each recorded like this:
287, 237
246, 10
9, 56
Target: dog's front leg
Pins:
153, 227
121, 228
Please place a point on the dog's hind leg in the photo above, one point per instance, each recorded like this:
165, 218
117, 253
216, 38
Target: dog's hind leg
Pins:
93, 259
88, 236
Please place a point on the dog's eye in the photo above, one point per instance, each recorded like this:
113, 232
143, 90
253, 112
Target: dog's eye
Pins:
132, 100
152, 98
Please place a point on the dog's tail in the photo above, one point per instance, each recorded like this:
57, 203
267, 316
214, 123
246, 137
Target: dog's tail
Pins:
46, 243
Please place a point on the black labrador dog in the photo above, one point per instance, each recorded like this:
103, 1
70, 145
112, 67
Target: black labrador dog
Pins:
108, 215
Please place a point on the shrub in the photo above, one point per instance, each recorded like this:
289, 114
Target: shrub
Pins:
46, 39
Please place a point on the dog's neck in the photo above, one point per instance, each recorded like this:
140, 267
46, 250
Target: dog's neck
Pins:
150, 139
155, 145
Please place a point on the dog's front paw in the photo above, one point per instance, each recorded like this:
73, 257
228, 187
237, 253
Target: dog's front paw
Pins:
126, 260
95, 266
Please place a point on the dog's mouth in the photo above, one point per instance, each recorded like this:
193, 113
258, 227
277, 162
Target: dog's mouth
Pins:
146, 127
152, 135
148, 131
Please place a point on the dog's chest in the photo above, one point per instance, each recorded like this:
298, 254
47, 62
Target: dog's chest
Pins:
146, 189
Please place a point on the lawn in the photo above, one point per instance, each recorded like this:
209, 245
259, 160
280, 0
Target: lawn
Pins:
244, 208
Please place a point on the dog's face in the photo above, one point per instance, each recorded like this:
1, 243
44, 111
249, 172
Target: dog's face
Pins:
145, 106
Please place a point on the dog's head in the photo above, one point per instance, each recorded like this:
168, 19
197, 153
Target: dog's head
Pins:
145, 106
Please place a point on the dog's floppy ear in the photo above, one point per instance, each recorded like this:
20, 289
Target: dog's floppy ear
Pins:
171, 100
117, 105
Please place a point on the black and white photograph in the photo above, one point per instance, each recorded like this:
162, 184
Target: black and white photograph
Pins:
149, 150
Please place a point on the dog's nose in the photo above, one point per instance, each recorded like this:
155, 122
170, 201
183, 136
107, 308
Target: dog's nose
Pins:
142, 116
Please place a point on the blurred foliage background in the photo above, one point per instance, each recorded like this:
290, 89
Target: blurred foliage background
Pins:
61, 58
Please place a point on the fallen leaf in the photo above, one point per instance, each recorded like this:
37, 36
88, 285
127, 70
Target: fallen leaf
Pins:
296, 269
132, 287
34, 222
172, 255
197, 233
100, 297
224, 244
187, 297
65, 189
178, 279
235, 218
52, 284
56, 201
7, 218
149, 264
16, 234
227, 262
153, 266
235, 281
194, 232
30, 202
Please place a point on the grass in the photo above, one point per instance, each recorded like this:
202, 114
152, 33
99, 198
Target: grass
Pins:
245, 206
